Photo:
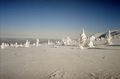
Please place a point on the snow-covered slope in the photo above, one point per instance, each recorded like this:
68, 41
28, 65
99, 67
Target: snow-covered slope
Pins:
114, 33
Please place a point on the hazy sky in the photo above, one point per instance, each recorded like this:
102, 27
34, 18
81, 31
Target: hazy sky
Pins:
57, 18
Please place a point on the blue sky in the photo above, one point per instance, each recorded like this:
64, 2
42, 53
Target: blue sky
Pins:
50, 18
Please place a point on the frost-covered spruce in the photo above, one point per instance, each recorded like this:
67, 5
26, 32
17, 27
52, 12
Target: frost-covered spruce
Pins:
37, 42
27, 44
108, 38
92, 39
2, 46
83, 38
50, 42
12, 45
67, 41
16, 45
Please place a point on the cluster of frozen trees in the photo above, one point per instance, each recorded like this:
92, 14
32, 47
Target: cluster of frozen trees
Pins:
83, 41
4, 45
67, 41
90, 40
16, 45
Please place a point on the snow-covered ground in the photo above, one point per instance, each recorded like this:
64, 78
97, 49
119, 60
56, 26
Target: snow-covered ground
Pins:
64, 62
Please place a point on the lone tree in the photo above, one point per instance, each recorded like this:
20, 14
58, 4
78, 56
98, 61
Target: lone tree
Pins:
108, 38
83, 38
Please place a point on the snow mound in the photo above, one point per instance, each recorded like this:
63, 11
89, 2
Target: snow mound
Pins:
59, 75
